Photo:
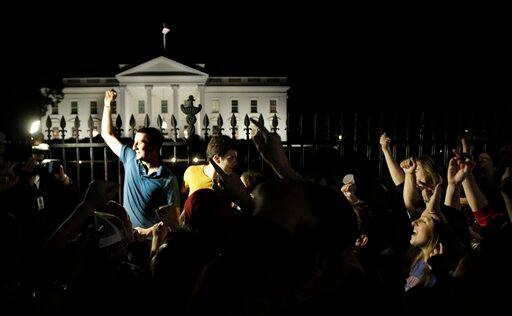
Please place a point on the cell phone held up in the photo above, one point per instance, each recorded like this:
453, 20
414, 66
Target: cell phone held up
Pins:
167, 214
49, 166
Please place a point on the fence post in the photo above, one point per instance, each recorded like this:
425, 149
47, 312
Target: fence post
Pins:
206, 123
233, 126
247, 123
90, 124
132, 126
220, 123
77, 131
48, 126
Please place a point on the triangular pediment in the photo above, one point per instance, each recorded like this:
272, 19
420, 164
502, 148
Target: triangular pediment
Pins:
162, 67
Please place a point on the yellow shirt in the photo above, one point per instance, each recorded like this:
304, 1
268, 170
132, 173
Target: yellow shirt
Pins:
195, 179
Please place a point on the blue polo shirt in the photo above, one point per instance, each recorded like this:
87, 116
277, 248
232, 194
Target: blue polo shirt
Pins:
143, 193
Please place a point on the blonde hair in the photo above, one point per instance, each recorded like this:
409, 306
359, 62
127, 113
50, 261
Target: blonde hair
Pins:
432, 171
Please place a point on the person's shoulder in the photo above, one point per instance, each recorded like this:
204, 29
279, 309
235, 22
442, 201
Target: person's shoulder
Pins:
193, 169
127, 152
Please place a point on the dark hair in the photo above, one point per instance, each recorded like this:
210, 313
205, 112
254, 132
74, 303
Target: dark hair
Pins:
154, 136
219, 145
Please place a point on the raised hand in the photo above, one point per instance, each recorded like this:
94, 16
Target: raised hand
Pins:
457, 171
168, 215
110, 96
270, 148
348, 191
384, 142
62, 176
434, 203
234, 187
408, 165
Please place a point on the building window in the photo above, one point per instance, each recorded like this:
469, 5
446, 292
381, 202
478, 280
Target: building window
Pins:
74, 107
55, 109
273, 106
94, 107
164, 106
215, 105
234, 106
254, 106
113, 107
142, 107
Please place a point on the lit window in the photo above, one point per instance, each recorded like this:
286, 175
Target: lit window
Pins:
254, 106
74, 107
234, 106
273, 106
94, 107
164, 106
142, 107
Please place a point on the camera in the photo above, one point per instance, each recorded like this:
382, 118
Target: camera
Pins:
49, 166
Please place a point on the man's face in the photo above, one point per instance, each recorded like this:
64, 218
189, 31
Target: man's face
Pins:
141, 147
228, 161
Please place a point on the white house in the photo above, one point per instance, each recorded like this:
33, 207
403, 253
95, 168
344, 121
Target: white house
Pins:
159, 87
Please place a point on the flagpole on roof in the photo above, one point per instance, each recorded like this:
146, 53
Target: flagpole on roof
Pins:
165, 30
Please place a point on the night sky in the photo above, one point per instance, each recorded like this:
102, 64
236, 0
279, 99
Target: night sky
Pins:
400, 57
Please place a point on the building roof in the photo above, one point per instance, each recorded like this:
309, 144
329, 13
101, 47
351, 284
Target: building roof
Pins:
160, 67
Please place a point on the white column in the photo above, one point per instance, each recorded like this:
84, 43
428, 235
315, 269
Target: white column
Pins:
175, 106
149, 109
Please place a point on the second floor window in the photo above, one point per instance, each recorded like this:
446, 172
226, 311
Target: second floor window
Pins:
164, 107
254, 106
74, 107
94, 107
273, 106
215, 105
55, 109
142, 107
234, 106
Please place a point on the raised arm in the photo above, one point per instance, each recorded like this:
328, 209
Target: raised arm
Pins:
411, 197
97, 195
106, 123
397, 174
476, 199
457, 172
270, 148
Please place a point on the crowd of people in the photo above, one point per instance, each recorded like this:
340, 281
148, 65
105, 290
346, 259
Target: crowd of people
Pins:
435, 239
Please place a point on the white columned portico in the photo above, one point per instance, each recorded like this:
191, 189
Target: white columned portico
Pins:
175, 105
149, 109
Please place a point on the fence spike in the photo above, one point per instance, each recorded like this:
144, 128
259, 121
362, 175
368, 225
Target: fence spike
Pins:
159, 122
233, 126
274, 123
146, 120
247, 123
220, 123
48, 126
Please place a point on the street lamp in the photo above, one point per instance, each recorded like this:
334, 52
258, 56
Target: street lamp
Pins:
35, 127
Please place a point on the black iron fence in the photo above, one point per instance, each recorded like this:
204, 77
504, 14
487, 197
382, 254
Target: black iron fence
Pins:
315, 141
